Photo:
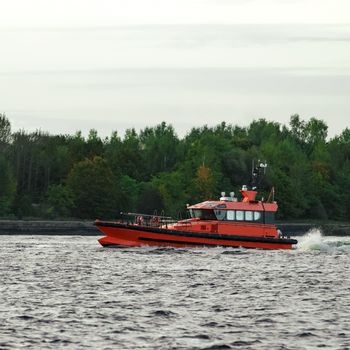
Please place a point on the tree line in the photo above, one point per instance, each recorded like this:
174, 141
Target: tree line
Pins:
72, 176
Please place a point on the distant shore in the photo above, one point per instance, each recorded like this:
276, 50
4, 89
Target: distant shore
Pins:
87, 228
327, 228
48, 227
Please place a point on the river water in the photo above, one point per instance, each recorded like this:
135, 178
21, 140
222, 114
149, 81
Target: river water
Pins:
68, 292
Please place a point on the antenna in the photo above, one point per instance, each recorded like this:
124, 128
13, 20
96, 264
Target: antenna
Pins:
258, 171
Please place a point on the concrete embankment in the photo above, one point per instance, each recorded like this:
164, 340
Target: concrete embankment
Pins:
327, 229
86, 228
42, 227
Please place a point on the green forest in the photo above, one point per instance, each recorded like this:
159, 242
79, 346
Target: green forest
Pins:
71, 176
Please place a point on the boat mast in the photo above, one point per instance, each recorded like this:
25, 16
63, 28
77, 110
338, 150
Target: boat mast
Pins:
258, 173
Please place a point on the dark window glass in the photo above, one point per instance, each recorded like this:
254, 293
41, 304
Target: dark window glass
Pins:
220, 214
203, 214
269, 217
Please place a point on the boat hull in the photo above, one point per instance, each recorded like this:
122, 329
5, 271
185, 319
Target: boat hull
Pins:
120, 234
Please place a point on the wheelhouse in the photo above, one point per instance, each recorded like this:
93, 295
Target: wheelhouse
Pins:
258, 216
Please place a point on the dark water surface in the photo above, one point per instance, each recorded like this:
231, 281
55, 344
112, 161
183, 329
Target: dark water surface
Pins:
68, 292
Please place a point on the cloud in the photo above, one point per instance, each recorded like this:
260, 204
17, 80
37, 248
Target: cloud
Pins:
118, 99
77, 13
112, 77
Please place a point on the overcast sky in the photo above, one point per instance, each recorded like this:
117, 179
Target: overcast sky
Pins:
72, 65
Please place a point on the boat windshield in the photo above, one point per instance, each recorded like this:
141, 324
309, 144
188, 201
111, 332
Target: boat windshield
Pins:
203, 214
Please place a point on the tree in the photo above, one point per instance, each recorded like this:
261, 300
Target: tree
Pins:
60, 201
76, 146
94, 189
112, 153
150, 200
204, 184
5, 131
129, 156
94, 145
173, 192
316, 131
260, 131
297, 128
129, 190
288, 174
154, 169
7, 186
159, 145
235, 167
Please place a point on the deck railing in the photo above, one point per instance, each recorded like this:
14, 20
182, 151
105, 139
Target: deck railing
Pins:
147, 220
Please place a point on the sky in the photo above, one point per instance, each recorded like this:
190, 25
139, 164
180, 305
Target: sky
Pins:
110, 65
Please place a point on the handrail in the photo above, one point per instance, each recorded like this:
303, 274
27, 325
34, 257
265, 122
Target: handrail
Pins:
146, 219
147, 215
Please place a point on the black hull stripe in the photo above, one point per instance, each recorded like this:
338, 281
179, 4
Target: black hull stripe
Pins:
197, 234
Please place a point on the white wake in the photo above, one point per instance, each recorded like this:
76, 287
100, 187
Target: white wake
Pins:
316, 240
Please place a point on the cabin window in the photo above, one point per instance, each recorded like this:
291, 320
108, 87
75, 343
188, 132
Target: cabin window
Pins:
231, 215
249, 215
257, 215
220, 214
203, 214
239, 215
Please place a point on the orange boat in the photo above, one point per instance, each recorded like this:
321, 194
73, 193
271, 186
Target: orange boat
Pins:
248, 223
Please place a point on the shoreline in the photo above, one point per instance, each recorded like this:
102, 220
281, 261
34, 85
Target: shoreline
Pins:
327, 229
48, 227
87, 228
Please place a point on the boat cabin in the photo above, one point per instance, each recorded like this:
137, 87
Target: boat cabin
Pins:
229, 209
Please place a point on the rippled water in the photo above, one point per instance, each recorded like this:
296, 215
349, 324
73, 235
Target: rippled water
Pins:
68, 292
